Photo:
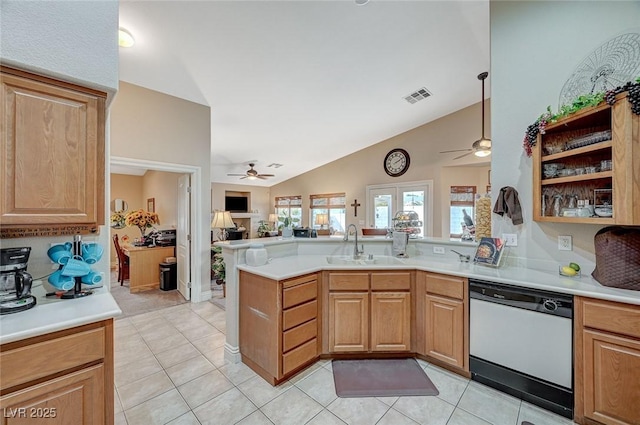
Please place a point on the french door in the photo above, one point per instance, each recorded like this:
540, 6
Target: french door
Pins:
384, 201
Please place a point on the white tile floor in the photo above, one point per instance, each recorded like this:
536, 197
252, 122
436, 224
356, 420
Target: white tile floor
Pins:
170, 369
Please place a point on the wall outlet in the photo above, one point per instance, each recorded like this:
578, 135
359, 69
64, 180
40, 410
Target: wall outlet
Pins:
438, 250
510, 239
565, 243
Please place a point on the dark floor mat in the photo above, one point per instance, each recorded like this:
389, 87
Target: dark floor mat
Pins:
381, 378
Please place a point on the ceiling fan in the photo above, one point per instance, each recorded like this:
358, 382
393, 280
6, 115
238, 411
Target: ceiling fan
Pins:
482, 146
252, 174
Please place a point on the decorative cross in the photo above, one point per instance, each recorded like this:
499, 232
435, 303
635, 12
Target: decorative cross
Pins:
355, 206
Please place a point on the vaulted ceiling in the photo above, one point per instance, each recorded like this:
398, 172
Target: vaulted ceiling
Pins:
302, 83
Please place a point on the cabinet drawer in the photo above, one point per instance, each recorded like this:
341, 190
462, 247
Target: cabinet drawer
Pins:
391, 281
613, 317
296, 336
448, 286
31, 362
300, 314
299, 294
349, 282
299, 356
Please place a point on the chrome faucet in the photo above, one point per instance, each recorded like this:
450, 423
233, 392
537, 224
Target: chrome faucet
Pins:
462, 257
356, 251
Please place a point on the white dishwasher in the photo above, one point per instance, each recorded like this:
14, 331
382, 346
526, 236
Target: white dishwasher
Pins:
521, 342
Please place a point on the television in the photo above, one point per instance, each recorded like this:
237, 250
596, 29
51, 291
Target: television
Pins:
238, 204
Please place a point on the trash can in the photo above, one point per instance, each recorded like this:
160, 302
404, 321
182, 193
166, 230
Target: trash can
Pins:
168, 276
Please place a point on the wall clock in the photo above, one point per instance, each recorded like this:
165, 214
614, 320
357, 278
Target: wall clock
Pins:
396, 163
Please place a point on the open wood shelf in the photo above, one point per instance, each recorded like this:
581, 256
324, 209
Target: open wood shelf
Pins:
578, 151
578, 178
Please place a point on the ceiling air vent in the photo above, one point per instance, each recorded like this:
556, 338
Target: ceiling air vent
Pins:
417, 95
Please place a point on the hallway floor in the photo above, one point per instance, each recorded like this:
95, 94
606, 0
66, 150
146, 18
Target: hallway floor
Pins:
170, 369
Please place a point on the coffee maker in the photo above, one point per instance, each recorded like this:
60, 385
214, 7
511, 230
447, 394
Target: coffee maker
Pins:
15, 282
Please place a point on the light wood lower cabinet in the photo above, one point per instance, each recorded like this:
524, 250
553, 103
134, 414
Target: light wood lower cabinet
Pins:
607, 362
443, 327
369, 312
390, 321
279, 324
349, 322
61, 378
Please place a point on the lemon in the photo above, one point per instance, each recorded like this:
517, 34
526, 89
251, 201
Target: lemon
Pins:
575, 266
569, 271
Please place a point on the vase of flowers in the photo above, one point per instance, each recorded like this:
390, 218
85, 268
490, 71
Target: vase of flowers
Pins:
117, 220
142, 219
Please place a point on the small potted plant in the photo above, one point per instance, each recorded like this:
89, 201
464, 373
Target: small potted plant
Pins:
218, 267
263, 229
287, 229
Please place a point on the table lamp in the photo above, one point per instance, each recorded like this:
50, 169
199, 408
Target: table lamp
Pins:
322, 219
222, 220
273, 218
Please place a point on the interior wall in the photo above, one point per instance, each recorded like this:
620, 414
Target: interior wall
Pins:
351, 174
74, 41
163, 187
152, 126
535, 47
129, 188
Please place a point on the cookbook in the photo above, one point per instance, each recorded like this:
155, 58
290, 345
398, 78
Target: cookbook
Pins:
489, 252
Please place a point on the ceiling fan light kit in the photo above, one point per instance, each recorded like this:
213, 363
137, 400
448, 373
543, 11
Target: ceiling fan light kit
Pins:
481, 147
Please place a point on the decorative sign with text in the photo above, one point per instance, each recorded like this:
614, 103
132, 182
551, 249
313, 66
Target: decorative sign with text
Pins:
48, 230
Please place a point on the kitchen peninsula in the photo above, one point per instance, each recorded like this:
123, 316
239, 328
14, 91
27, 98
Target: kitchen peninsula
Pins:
438, 277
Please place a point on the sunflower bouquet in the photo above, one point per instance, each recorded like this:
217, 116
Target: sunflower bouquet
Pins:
117, 220
142, 219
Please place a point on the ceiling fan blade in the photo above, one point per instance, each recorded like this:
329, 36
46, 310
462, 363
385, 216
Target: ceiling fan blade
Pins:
463, 155
236, 175
243, 177
266, 175
261, 177
457, 150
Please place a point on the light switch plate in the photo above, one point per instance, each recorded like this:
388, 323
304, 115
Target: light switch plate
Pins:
438, 250
565, 243
510, 239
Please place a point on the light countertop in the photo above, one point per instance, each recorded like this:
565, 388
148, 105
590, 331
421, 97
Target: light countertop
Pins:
51, 315
287, 267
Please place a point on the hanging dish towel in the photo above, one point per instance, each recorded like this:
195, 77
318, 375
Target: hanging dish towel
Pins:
508, 204
400, 241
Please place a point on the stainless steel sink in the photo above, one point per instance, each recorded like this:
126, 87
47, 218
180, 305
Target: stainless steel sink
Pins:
365, 261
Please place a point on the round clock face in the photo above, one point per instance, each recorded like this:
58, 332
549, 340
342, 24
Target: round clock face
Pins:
396, 162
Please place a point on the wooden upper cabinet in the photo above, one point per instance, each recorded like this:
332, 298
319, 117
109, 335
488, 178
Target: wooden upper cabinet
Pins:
53, 153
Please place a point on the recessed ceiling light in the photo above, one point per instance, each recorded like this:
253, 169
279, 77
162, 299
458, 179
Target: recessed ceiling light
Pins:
125, 39
361, 2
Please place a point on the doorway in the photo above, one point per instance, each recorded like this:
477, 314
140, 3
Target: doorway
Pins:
189, 217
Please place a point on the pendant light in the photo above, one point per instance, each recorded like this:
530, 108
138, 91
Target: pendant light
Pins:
482, 147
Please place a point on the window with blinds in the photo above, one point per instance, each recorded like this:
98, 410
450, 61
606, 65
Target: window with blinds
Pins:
289, 206
462, 200
328, 212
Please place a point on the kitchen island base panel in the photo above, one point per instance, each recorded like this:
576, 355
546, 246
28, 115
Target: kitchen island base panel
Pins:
144, 266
